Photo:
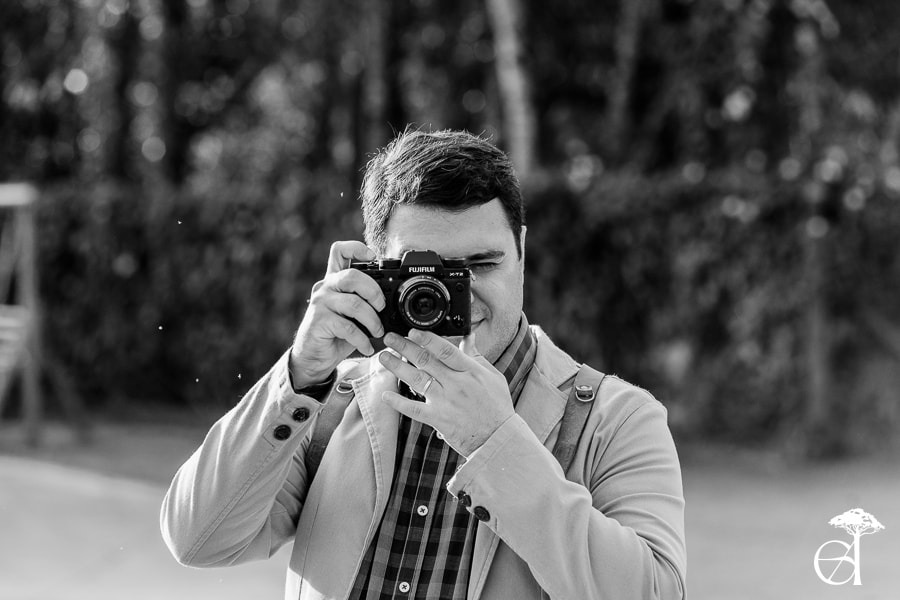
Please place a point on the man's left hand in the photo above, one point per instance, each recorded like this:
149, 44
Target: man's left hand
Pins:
466, 398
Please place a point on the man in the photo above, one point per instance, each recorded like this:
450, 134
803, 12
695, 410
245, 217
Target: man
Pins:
439, 480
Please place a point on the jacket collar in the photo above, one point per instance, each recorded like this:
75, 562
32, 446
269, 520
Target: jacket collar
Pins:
541, 406
382, 425
542, 403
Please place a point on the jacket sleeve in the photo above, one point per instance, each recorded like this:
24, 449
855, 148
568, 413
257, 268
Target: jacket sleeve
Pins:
618, 536
238, 497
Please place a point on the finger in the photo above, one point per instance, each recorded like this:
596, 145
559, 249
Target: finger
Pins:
355, 308
345, 329
356, 282
415, 378
417, 411
342, 253
443, 349
468, 346
416, 354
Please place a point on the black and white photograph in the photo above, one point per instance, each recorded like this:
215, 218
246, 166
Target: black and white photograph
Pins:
423, 300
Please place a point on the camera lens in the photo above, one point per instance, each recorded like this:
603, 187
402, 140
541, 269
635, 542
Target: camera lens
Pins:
422, 305
423, 301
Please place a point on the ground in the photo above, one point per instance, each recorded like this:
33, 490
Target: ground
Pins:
80, 521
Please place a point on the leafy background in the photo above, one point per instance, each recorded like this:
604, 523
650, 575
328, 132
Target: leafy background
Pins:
712, 187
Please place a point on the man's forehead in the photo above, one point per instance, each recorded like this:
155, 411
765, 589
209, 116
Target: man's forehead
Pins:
477, 231
468, 254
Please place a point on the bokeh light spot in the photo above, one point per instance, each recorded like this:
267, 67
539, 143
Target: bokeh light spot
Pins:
151, 27
144, 93
89, 140
153, 149
76, 81
816, 227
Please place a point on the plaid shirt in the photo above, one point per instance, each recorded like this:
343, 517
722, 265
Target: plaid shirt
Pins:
423, 547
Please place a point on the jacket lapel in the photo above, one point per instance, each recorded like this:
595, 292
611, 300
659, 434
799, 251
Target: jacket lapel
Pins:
382, 426
541, 406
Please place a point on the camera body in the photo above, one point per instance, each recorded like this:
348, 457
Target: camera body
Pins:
423, 291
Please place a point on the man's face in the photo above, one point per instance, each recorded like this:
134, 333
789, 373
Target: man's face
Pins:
481, 235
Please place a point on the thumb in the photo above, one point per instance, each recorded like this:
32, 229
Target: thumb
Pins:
468, 346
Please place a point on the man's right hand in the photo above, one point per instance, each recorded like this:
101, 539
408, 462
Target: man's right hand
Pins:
328, 334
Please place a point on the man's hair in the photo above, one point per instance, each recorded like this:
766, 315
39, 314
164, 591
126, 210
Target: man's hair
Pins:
448, 170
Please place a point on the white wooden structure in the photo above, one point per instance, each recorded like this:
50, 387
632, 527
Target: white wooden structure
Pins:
20, 314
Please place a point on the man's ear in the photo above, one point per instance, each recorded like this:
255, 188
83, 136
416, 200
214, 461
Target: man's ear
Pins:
522, 233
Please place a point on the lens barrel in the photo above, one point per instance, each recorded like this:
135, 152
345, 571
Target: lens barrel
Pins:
424, 301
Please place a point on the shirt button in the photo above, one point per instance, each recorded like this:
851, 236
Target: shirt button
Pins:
481, 513
440, 435
282, 432
464, 499
300, 415
422, 510
403, 587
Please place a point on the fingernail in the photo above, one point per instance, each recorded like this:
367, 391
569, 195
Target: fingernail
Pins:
415, 335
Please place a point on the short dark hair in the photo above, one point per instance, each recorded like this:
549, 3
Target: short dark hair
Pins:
450, 170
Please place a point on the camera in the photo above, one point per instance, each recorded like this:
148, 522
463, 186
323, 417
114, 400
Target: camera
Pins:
423, 291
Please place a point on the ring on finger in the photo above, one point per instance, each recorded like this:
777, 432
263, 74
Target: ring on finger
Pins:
427, 385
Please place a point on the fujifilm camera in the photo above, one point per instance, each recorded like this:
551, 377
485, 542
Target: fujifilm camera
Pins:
423, 291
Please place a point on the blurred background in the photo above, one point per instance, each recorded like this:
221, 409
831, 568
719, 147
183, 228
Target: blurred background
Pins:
712, 191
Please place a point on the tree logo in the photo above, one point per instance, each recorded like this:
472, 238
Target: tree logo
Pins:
857, 523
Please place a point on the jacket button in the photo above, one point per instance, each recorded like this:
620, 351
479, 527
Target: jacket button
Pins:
300, 414
464, 499
282, 432
481, 513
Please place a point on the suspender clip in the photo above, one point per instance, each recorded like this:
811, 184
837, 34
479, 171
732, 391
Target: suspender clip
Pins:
584, 393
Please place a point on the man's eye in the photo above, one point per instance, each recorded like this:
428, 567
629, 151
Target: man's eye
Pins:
481, 267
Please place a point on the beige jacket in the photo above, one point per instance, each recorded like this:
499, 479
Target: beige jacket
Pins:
614, 530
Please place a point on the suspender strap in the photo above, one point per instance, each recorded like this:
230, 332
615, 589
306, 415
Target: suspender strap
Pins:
578, 407
326, 422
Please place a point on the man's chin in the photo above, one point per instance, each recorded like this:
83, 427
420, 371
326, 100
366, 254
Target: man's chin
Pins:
456, 340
